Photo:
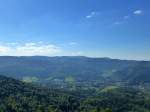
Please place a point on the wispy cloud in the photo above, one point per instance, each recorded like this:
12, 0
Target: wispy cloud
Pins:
13, 43
122, 20
73, 43
127, 17
29, 49
138, 12
92, 14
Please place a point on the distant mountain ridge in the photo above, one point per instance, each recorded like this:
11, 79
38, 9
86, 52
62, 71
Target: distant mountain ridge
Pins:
79, 67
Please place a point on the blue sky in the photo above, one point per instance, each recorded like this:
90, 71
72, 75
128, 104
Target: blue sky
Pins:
95, 28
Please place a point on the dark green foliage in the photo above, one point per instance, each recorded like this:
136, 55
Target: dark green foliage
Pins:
120, 100
16, 96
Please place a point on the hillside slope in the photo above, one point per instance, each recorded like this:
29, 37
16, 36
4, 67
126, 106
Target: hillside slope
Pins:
43, 69
16, 96
137, 74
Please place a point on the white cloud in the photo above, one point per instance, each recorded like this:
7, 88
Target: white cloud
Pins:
30, 44
73, 43
91, 14
29, 49
127, 17
138, 12
4, 49
40, 42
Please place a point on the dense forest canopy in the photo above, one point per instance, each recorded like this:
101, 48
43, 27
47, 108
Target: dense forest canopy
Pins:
16, 96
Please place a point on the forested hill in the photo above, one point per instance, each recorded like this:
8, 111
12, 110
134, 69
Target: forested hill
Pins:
42, 69
16, 96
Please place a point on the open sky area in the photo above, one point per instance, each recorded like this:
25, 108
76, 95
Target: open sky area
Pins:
94, 28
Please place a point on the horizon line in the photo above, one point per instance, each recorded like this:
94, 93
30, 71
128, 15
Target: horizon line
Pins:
78, 56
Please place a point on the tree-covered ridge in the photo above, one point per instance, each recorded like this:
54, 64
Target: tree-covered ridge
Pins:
16, 96
56, 69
